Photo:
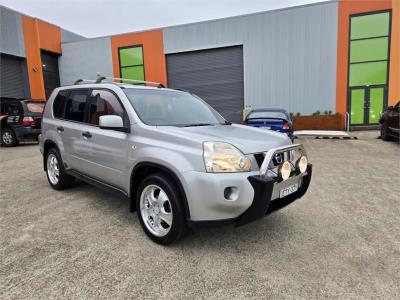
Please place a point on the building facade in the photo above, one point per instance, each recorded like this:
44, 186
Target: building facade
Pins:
339, 56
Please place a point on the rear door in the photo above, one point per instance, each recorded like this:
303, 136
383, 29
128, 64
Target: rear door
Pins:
70, 126
104, 152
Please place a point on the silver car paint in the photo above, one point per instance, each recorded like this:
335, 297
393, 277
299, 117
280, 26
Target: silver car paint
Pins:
111, 155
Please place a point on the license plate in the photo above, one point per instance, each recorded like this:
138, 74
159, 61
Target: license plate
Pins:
288, 190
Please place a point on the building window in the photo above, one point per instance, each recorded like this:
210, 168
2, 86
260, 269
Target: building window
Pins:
131, 62
369, 49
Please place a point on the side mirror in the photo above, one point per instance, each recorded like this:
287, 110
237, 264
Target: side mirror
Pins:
111, 122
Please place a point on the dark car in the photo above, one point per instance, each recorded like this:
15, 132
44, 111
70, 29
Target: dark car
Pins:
390, 123
20, 120
273, 119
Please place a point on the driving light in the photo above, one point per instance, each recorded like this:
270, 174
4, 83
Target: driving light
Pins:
222, 157
284, 170
302, 164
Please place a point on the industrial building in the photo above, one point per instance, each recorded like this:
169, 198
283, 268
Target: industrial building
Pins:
339, 56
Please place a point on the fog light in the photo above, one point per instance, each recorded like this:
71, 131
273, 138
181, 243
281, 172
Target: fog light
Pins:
284, 170
302, 164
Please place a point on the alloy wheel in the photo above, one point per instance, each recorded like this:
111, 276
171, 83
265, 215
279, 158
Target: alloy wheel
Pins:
156, 210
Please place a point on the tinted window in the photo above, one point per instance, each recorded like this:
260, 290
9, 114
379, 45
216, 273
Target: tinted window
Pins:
171, 108
59, 104
267, 114
35, 106
103, 103
75, 106
12, 108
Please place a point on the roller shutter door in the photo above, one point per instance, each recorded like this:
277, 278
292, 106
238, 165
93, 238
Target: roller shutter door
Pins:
12, 77
215, 75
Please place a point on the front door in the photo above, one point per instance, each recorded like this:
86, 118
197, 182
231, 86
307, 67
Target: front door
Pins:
366, 104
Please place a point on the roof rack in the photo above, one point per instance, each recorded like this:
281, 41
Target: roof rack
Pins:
100, 79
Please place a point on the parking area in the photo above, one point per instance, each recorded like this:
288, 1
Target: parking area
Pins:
341, 240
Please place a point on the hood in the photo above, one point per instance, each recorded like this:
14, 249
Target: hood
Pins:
246, 139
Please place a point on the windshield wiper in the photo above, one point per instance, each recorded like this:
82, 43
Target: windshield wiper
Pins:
198, 124
227, 123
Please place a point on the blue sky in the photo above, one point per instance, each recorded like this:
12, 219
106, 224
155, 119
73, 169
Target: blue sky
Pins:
93, 18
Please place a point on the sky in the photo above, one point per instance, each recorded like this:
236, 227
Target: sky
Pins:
93, 18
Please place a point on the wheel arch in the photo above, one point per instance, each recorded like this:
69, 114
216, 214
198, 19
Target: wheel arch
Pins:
47, 145
142, 170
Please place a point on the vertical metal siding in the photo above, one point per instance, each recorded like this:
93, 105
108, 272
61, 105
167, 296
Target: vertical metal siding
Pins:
84, 59
289, 55
12, 77
215, 75
11, 35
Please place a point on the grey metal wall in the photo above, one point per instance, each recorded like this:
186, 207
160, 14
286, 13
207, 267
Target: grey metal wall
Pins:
11, 34
68, 36
84, 59
13, 77
289, 55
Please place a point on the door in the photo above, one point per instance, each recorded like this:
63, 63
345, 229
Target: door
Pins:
215, 75
366, 104
393, 118
51, 75
70, 126
104, 152
13, 74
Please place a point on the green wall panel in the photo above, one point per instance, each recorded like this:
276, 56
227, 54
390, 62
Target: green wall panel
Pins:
368, 73
367, 50
370, 25
136, 73
357, 106
131, 56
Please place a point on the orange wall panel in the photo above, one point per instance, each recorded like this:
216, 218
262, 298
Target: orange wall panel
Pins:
347, 8
34, 63
38, 35
49, 37
153, 51
394, 79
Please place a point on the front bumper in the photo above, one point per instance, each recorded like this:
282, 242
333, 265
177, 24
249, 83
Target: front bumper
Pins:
256, 194
264, 188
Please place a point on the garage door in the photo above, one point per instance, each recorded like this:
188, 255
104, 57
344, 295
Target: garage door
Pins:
215, 75
51, 75
12, 76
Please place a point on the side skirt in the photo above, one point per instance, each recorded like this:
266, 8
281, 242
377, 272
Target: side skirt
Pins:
97, 183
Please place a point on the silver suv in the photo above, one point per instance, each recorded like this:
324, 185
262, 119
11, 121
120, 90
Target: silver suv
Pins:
177, 160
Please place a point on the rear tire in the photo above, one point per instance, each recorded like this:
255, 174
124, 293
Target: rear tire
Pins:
384, 132
8, 138
55, 171
160, 210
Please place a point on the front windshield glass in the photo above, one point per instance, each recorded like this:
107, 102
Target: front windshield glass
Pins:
267, 115
172, 108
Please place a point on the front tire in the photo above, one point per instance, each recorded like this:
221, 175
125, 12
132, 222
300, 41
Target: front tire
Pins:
8, 138
160, 210
56, 175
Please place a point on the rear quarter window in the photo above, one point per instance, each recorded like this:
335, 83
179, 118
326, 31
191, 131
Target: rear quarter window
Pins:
59, 104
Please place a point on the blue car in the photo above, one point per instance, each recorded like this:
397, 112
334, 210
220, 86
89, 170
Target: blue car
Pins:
273, 119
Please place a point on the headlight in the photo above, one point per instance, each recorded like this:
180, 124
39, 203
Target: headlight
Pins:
302, 164
223, 157
284, 170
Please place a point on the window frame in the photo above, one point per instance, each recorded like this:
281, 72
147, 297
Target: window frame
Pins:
128, 66
349, 40
125, 119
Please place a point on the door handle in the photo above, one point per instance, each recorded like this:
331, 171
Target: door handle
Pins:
87, 134
60, 129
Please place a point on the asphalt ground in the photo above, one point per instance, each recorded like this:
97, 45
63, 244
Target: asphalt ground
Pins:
341, 240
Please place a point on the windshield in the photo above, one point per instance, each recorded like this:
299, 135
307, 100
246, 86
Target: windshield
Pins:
267, 115
172, 108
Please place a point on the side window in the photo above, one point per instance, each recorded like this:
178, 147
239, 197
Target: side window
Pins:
14, 109
75, 106
59, 104
103, 103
